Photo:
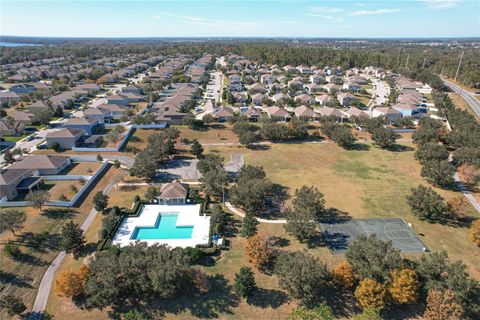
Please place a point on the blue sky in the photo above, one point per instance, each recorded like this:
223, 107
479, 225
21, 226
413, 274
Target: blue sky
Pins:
340, 18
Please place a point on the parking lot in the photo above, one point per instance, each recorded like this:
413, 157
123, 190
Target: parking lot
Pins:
179, 169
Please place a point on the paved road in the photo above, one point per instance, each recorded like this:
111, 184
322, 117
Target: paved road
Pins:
47, 279
474, 202
466, 95
380, 91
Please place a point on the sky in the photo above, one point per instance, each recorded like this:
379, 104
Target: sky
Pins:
228, 18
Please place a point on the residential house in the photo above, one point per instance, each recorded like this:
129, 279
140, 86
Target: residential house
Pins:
410, 110
387, 112
7, 98
94, 113
252, 114
305, 99
22, 88
305, 70
111, 111
17, 181
331, 87
352, 86
324, 99
280, 97
90, 126
173, 193
355, 112
11, 129
132, 89
22, 117
305, 113
37, 106
345, 98
295, 85
278, 114
66, 138
290, 69
118, 99
222, 114
257, 88
240, 97
332, 112
258, 98
44, 164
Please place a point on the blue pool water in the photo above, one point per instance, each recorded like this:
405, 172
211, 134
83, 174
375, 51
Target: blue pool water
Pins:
165, 228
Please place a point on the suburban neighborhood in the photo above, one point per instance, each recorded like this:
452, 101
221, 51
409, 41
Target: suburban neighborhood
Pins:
244, 178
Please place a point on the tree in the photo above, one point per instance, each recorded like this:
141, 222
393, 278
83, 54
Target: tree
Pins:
8, 157
385, 138
189, 120
117, 276
13, 305
12, 220
249, 225
134, 315
468, 174
373, 258
247, 138
344, 276
371, 294
458, 208
321, 312
208, 118
438, 172
38, 198
343, 136
474, 232
116, 164
442, 305
258, 251
368, 314
308, 207
252, 189
428, 131
303, 276
71, 283
12, 250
214, 176
218, 219
152, 193
196, 148
404, 286
431, 151
100, 201
72, 237
145, 165
244, 284
426, 203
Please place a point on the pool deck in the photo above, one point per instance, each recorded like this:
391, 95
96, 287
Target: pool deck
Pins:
188, 215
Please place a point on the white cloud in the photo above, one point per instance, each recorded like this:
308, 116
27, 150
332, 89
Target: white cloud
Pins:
372, 12
441, 4
323, 16
325, 10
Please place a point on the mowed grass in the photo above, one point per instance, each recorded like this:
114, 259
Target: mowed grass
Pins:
369, 183
462, 104
28, 274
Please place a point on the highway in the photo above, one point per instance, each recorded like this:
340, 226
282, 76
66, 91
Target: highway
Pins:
466, 95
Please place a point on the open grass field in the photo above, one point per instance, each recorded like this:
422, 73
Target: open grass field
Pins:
369, 183
69, 188
39, 242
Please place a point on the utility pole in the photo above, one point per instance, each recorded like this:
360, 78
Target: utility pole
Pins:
423, 65
406, 63
459, 64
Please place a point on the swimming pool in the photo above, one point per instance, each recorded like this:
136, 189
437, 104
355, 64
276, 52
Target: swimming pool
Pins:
165, 228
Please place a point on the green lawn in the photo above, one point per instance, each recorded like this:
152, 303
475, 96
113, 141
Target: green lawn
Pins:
15, 138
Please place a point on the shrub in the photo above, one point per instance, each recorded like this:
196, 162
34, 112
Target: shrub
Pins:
12, 250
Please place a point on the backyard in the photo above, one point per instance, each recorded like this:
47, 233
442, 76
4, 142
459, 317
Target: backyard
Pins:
39, 243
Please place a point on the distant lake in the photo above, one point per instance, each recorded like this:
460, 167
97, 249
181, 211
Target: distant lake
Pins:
17, 44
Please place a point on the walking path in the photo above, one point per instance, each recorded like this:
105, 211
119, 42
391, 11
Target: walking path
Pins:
473, 201
241, 214
47, 279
